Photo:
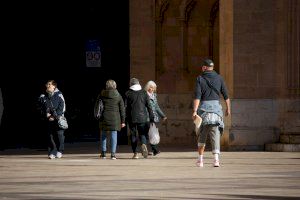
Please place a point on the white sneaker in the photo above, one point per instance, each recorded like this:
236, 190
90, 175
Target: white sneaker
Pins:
216, 163
144, 151
51, 156
58, 155
135, 156
113, 158
199, 163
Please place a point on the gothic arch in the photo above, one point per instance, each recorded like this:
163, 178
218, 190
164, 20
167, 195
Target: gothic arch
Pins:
160, 8
185, 11
186, 8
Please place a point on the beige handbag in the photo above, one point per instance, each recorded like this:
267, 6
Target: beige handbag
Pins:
197, 121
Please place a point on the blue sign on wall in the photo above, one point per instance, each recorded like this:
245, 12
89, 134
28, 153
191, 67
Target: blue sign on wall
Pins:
93, 53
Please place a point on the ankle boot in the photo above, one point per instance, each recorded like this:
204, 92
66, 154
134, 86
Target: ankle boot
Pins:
103, 155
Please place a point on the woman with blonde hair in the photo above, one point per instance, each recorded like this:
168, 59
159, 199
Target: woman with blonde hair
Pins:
151, 87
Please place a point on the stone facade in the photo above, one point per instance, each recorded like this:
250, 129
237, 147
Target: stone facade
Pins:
255, 45
266, 72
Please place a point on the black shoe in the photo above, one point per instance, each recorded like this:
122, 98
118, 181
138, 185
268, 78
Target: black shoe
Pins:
102, 155
156, 153
113, 157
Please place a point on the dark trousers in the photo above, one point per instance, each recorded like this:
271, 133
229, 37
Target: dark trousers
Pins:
56, 138
138, 131
154, 148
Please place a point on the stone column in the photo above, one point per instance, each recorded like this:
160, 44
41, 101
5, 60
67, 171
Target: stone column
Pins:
226, 56
1, 106
142, 39
293, 55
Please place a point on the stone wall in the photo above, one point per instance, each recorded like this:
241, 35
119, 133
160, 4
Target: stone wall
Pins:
142, 40
264, 95
255, 47
169, 39
254, 123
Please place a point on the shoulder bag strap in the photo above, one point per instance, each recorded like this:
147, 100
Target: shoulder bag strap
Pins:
211, 86
53, 109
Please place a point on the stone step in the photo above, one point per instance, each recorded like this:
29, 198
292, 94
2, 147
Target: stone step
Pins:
290, 133
290, 139
282, 147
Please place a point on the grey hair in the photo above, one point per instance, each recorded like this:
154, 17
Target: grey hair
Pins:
150, 84
111, 84
133, 81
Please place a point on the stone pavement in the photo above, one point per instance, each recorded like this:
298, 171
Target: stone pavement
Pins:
80, 174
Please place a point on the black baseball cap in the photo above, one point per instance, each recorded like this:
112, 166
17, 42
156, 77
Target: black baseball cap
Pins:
207, 62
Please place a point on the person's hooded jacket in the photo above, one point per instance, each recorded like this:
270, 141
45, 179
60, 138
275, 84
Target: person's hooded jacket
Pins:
138, 106
114, 111
53, 103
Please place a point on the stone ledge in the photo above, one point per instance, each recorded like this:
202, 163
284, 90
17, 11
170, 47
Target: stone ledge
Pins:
282, 147
290, 139
289, 133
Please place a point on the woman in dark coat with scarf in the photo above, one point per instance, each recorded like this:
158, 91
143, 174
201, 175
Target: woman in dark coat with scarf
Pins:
158, 114
113, 117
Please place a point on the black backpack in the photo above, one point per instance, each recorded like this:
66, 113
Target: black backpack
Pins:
98, 109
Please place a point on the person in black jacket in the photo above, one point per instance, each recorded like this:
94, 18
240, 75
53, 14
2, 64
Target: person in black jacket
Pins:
207, 105
138, 108
53, 106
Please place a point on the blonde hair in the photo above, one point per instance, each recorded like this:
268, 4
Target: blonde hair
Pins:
150, 84
111, 84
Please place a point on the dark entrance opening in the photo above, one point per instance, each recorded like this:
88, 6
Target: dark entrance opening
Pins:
48, 41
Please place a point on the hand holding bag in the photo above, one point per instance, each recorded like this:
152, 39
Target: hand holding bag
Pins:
197, 121
154, 137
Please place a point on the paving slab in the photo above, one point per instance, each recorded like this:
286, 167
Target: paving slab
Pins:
80, 174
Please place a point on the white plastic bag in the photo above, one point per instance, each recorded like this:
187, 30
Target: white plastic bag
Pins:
154, 137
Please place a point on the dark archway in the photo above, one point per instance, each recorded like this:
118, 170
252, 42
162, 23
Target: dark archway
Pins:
47, 41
